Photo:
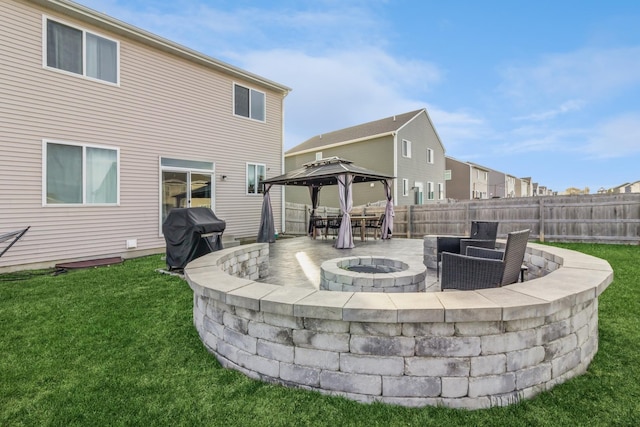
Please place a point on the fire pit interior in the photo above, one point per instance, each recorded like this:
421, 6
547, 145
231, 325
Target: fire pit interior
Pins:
372, 269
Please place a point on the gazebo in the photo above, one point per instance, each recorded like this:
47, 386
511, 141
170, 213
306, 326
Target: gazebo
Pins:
317, 174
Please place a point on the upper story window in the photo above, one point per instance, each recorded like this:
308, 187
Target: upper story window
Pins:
248, 103
255, 175
406, 148
81, 52
429, 155
80, 174
319, 155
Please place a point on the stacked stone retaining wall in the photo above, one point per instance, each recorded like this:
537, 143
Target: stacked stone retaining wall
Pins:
463, 349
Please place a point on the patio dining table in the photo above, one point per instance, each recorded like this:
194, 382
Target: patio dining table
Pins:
355, 221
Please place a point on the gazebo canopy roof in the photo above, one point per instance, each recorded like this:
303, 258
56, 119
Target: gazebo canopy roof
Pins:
325, 172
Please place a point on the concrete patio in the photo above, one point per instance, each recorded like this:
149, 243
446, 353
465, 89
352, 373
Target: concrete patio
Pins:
296, 261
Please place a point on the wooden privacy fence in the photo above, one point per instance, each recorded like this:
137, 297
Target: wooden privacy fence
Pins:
590, 218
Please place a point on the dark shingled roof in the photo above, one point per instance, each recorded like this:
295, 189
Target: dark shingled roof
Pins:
325, 172
377, 127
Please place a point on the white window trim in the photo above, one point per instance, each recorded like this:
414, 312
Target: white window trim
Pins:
246, 178
233, 102
405, 187
406, 155
430, 191
319, 155
84, 171
440, 191
84, 53
430, 155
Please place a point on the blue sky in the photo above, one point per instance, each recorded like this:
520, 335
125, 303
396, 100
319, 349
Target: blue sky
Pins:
547, 89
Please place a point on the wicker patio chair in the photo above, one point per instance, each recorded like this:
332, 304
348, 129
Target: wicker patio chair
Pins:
483, 234
484, 268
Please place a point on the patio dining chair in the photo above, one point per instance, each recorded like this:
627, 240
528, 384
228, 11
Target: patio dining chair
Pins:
484, 268
483, 234
375, 225
319, 225
333, 225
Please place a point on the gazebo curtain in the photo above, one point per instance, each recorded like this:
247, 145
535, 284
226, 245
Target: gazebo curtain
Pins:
314, 191
387, 223
345, 236
267, 231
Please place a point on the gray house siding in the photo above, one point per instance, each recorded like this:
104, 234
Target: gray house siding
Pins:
458, 187
372, 154
416, 168
497, 186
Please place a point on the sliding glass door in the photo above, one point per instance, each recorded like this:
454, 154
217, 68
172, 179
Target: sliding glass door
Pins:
185, 184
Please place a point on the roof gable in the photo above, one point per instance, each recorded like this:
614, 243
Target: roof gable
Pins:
364, 131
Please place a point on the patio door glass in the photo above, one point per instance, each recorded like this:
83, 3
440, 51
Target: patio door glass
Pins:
185, 188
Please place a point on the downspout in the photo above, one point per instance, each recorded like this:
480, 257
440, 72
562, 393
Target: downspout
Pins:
395, 168
282, 187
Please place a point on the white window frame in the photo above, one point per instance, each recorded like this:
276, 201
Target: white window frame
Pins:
319, 155
84, 75
189, 167
406, 148
46, 142
251, 90
430, 154
257, 191
430, 191
440, 191
405, 187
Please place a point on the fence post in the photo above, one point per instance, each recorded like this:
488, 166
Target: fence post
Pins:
541, 234
409, 220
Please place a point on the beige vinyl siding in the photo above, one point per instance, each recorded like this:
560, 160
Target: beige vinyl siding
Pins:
165, 106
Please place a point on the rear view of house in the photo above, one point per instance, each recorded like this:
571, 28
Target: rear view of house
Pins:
106, 127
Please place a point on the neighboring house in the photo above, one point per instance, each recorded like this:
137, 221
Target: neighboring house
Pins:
406, 146
468, 180
106, 127
497, 185
628, 187
526, 190
512, 186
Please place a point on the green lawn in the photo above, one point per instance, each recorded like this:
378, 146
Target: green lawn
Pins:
116, 346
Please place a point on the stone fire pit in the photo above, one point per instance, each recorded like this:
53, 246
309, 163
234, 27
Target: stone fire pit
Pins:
372, 274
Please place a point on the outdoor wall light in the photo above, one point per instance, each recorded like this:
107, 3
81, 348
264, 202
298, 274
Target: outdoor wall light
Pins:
223, 177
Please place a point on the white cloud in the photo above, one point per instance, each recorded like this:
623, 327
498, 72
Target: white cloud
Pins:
584, 74
565, 107
616, 137
342, 88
